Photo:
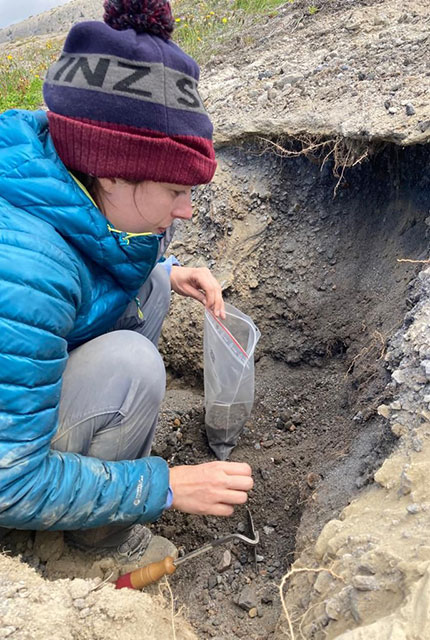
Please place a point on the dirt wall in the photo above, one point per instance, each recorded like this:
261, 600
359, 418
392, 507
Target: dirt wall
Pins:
376, 553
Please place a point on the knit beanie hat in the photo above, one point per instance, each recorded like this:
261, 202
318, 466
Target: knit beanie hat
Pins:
123, 99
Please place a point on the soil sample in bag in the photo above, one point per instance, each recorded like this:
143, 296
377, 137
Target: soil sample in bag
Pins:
224, 424
229, 377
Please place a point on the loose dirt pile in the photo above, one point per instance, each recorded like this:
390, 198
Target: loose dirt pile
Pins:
32, 608
341, 376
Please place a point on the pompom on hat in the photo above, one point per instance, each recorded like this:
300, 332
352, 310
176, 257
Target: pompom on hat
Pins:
123, 99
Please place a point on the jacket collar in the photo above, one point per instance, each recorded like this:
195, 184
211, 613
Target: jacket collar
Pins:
34, 179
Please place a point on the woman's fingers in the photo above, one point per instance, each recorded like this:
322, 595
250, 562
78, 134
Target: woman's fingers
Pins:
236, 468
211, 488
200, 284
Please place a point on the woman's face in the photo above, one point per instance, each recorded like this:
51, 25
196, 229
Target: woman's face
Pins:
148, 206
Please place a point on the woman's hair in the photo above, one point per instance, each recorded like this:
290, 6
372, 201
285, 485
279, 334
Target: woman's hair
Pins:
88, 181
92, 185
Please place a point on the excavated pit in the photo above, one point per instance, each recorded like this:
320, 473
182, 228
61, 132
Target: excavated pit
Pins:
320, 277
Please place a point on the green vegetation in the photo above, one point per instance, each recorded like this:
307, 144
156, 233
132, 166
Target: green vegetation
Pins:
21, 74
203, 29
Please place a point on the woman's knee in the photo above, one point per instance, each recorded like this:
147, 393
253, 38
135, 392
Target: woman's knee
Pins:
140, 363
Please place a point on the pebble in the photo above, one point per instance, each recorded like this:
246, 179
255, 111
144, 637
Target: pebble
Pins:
264, 474
384, 411
417, 445
212, 581
312, 480
268, 530
410, 111
399, 376
253, 612
366, 583
267, 443
225, 561
413, 508
426, 366
247, 598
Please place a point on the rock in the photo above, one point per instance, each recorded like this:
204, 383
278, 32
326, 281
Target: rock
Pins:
264, 474
399, 376
413, 508
323, 582
424, 125
426, 366
384, 411
268, 530
312, 480
410, 111
417, 444
247, 598
292, 79
396, 405
365, 583
332, 608
225, 561
253, 612
212, 581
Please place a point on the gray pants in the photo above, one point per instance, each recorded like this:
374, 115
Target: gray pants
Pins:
112, 390
113, 385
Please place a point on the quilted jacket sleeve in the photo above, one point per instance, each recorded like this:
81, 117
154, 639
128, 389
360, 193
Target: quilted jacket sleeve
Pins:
41, 488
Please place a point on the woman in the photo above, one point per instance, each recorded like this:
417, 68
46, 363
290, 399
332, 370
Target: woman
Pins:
90, 193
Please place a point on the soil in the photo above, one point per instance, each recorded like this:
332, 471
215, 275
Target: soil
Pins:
310, 251
315, 437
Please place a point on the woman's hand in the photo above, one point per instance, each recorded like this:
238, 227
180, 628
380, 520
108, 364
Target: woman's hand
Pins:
211, 488
200, 284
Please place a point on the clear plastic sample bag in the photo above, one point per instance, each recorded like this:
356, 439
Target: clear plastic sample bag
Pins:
228, 376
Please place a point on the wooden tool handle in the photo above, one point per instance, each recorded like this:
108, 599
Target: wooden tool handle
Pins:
147, 575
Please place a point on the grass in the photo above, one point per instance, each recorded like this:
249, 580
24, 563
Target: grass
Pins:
22, 70
203, 29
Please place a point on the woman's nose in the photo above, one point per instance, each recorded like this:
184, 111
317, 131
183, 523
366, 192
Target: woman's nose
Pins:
184, 210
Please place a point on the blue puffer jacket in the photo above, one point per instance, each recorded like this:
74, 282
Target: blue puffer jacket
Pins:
64, 279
